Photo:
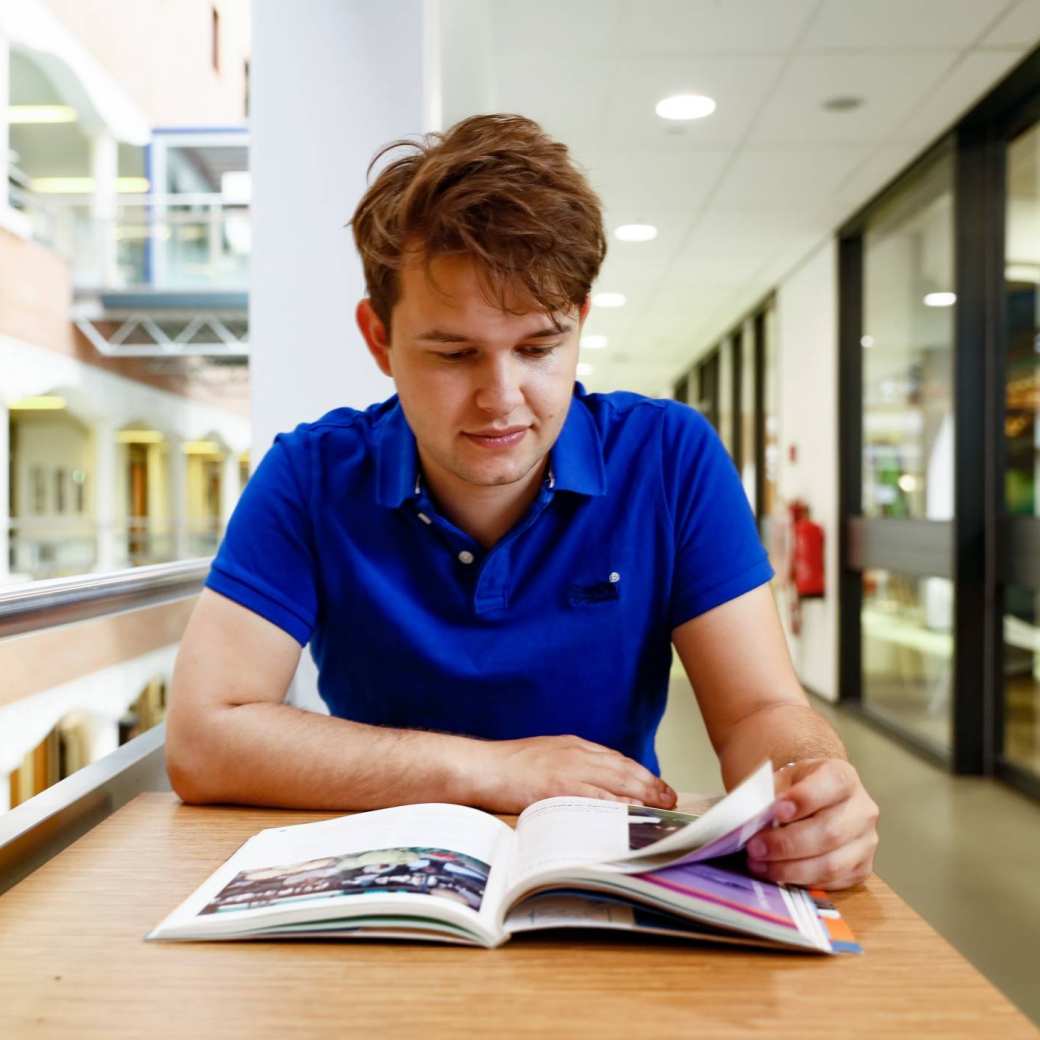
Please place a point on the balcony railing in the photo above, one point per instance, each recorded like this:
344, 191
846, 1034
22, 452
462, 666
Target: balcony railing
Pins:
39, 827
55, 547
147, 241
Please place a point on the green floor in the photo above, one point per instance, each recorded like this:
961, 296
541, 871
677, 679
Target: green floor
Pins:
964, 853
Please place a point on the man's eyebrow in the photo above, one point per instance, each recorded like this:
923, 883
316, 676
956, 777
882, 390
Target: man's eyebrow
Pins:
441, 336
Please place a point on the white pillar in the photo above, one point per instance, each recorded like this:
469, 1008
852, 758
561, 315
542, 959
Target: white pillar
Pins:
104, 167
357, 68
5, 491
179, 498
229, 488
105, 461
101, 732
5, 97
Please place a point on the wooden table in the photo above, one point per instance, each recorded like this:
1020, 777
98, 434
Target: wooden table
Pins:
73, 963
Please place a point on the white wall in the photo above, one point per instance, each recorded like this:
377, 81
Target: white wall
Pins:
807, 325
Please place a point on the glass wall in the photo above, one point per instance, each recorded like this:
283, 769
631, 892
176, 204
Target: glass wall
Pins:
708, 388
749, 452
770, 437
1022, 444
906, 350
907, 653
907, 343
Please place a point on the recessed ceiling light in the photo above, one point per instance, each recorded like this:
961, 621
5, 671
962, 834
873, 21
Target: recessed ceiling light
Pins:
608, 299
843, 103
685, 106
593, 342
866, 342
636, 232
584, 368
940, 299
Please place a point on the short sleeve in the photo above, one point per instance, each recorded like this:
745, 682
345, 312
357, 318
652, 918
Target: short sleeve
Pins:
718, 553
266, 561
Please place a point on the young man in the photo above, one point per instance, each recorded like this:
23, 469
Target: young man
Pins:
491, 566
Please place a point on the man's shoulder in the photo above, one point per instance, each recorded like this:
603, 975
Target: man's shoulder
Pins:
340, 425
626, 413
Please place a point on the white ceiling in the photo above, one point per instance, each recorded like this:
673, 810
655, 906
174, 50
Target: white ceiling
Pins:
741, 197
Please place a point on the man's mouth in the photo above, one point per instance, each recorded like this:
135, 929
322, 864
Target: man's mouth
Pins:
498, 438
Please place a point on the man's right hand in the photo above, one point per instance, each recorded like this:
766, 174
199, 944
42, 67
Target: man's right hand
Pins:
508, 775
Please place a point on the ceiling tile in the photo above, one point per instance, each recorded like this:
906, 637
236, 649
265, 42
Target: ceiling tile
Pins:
738, 84
901, 23
880, 167
577, 27
968, 81
1020, 27
659, 181
711, 26
890, 85
786, 179
533, 85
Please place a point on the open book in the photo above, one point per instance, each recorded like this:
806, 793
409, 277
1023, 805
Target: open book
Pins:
455, 874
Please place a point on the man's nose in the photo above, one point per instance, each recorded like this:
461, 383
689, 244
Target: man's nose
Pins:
499, 383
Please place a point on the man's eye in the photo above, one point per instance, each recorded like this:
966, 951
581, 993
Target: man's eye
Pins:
538, 352
457, 355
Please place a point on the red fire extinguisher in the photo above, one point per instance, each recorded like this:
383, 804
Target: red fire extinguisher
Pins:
806, 572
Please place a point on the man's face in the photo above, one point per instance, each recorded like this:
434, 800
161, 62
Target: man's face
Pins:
485, 391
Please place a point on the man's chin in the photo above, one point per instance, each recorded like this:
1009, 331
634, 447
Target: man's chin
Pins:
500, 474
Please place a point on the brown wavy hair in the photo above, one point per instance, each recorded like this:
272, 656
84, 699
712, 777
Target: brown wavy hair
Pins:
495, 188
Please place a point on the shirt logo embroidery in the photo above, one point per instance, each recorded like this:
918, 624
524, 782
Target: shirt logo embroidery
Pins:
597, 592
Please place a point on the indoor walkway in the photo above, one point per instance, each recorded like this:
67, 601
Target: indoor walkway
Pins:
961, 851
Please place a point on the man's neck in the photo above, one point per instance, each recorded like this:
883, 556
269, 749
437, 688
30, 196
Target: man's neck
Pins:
484, 513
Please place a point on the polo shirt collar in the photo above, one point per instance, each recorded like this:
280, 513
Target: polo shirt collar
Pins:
397, 458
575, 460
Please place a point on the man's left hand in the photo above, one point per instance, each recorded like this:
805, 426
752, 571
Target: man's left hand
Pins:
828, 828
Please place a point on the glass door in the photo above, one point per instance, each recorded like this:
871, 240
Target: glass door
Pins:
1021, 584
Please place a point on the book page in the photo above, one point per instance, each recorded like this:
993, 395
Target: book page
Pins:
557, 832
562, 909
436, 860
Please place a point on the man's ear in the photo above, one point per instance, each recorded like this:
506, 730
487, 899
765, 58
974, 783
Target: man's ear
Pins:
377, 338
583, 311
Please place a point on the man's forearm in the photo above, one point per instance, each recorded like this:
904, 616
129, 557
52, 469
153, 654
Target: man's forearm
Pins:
780, 732
279, 755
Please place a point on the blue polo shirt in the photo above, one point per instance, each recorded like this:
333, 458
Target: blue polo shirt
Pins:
563, 626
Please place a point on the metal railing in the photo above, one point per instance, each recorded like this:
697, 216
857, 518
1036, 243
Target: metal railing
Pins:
36, 830
58, 601
39, 828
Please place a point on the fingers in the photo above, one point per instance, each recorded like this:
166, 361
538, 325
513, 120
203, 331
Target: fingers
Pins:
624, 776
824, 783
592, 791
824, 831
840, 868
633, 789
832, 834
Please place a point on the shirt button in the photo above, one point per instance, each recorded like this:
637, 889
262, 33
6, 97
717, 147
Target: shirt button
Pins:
425, 519
614, 577
465, 556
